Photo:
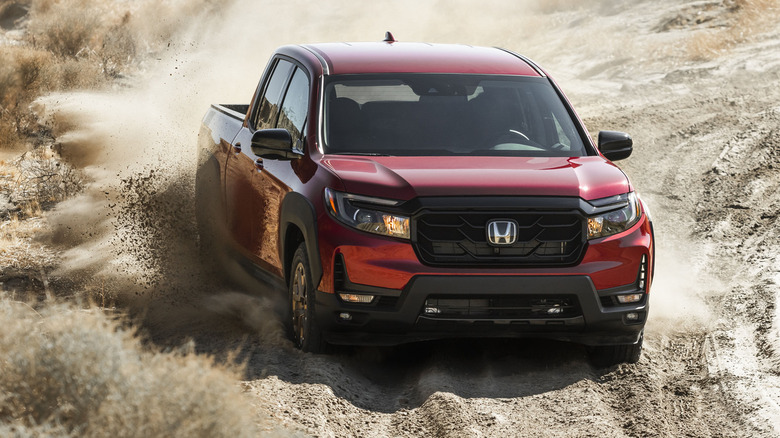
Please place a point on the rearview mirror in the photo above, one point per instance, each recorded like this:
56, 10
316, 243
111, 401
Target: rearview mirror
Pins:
275, 144
615, 145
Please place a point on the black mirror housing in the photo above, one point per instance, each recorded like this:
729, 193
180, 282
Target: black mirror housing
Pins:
275, 144
615, 145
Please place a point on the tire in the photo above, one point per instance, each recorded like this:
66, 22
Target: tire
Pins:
304, 330
609, 355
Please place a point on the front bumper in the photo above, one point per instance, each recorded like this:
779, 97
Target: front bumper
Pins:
390, 270
395, 318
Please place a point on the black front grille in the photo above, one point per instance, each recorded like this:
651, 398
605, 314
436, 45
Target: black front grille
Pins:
457, 238
502, 307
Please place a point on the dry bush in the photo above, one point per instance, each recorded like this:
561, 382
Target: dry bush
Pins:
65, 28
34, 70
88, 375
92, 30
9, 78
18, 250
9, 138
9, 86
75, 73
24, 74
41, 178
36, 180
118, 48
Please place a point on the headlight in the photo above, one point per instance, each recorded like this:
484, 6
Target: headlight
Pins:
615, 221
350, 210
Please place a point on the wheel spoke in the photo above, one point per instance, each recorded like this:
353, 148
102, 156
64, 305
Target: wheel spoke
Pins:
298, 303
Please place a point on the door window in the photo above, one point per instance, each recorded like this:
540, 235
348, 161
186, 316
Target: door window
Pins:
295, 105
269, 105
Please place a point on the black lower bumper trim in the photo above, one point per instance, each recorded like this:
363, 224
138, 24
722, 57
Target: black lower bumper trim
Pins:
407, 320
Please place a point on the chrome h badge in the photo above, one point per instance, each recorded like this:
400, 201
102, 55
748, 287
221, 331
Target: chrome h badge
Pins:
502, 232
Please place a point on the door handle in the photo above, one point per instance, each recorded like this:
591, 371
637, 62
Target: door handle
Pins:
259, 164
237, 148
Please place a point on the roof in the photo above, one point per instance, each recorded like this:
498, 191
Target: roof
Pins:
395, 57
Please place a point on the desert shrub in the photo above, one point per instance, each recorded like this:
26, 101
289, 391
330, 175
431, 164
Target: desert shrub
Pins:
24, 73
73, 73
118, 48
34, 71
42, 178
84, 29
9, 139
65, 28
87, 374
9, 78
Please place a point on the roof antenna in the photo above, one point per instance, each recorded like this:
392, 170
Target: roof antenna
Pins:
389, 38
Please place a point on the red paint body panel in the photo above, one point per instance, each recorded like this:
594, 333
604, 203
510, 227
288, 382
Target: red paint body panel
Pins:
404, 178
375, 261
353, 58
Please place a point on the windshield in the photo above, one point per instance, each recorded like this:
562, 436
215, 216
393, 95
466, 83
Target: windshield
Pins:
447, 114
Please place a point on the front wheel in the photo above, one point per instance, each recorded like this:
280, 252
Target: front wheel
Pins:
608, 355
305, 332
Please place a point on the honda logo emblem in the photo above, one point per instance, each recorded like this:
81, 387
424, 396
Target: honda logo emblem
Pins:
502, 232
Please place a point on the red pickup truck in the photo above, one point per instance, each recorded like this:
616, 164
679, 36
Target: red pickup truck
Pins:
406, 191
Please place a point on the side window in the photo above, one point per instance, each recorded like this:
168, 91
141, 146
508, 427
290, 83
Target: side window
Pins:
269, 105
295, 105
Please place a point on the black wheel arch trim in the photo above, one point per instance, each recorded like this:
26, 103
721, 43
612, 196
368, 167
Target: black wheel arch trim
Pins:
298, 211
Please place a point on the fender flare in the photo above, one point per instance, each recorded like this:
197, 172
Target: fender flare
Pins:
299, 211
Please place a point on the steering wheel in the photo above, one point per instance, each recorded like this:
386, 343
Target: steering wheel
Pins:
513, 136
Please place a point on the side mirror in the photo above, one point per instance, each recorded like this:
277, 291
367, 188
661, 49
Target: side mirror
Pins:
615, 145
274, 143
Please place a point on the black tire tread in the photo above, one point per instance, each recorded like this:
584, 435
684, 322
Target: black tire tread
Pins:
313, 339
609, 355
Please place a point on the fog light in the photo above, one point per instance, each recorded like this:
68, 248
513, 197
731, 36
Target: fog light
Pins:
555, 310
630, 298
432, 310
633, 316
356, 298
345, 316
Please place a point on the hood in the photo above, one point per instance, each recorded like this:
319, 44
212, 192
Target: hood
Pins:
404, 178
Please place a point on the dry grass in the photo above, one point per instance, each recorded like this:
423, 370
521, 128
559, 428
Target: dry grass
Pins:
749, 18
65, 28
24, 74
19, 252
35, 180
77, 372
43, 179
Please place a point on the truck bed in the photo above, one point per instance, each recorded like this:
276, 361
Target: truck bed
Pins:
237, 111
224, 121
